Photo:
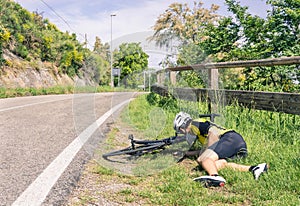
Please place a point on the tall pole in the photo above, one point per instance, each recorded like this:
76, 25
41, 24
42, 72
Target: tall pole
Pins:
111, 53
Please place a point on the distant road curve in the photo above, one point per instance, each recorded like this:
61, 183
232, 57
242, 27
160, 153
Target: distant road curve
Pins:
45, 141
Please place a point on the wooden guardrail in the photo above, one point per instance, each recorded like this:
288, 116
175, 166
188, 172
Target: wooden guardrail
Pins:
214, 67
237, 64
271, 101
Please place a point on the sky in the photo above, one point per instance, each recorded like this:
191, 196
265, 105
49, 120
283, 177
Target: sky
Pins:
93, 17
133, 20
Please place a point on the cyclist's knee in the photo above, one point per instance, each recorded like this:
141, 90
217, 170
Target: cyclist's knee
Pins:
199, 160
207, 154
221, 163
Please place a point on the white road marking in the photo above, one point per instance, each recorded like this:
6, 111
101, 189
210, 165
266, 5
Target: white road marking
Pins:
37, 192
28, 105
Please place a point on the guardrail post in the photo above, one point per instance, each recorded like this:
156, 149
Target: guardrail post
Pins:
213, 78
213, 84
173, 77
160, 77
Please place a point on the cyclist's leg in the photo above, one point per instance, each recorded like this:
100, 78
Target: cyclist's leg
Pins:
222, 163
208, 161
238, 167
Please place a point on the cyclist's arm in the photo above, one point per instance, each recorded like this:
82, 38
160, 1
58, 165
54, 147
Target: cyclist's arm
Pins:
213, 135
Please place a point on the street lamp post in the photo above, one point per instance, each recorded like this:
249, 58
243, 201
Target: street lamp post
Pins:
111, 53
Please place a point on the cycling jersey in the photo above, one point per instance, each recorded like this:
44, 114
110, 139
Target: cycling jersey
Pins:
200, 127
230, 143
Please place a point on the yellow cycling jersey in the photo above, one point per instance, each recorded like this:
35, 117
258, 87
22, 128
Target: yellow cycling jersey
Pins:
200, 127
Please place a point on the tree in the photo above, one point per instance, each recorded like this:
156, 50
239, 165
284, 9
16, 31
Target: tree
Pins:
276, 36
241, 37
98, 61
100, 68
284, 26
34, 38
101, 49
187, 27
130, 58
182, 23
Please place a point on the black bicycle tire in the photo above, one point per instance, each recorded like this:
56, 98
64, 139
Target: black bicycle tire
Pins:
129, 150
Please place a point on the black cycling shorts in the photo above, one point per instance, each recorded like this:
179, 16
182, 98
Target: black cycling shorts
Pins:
230, 145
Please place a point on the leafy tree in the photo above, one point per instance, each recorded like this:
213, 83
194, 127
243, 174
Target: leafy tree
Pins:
101, 49
130, 58
219, 42
99, 62
188, 55
241, 37
276, 36
182, 23
34, 38
283, 23
100, 68
187, 26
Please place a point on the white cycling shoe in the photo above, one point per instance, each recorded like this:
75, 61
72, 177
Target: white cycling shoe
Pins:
259, 169
211, 181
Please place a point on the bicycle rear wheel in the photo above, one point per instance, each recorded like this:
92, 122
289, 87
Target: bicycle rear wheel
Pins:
137, 151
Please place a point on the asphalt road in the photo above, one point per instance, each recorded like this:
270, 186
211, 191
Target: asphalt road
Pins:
38, 136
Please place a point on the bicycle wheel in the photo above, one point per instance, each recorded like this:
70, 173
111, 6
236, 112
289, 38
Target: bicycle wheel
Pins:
137, 151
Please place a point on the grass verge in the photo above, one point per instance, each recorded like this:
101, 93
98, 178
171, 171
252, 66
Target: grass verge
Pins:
271, 137
20, 92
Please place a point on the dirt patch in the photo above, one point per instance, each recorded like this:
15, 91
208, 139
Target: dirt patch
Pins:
95, 189
100, 184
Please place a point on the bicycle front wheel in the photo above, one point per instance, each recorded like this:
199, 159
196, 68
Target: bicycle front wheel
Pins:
137, 151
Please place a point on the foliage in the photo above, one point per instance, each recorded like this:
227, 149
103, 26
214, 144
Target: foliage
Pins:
134, 80
167, 102
185, 25
101, 49
130, 58
276, 36
34, 38
100, 67
182, 23
241, 37
4, 37
20, 92
59, 89
219, 40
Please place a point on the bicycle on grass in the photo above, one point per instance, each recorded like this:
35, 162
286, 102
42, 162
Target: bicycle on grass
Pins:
141, 147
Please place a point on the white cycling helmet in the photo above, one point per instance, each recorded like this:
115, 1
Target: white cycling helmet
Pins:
181, 120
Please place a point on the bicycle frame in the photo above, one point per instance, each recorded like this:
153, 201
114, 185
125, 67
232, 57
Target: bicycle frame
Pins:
140, 147
166, 141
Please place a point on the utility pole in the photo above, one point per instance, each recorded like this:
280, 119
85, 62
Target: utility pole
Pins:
111, 53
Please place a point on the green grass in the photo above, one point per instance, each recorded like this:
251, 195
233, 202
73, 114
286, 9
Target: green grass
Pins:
271, 137
20, 92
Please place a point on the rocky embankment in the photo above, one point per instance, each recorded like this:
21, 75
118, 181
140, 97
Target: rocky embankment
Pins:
18, 73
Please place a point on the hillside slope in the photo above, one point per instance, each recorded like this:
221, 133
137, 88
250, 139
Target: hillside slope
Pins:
23, 74
35, 53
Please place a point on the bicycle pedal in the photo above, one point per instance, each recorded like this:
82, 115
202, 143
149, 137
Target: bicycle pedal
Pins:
130, 137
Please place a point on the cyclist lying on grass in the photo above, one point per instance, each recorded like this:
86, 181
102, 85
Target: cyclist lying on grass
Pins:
220, 144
